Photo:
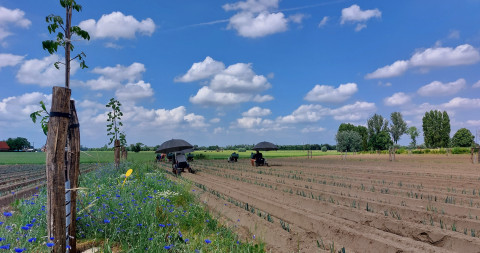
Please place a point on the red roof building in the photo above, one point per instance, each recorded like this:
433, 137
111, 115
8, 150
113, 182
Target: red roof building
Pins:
4, 146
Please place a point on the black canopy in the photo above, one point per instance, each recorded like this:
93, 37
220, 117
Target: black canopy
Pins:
173, 145
265, 146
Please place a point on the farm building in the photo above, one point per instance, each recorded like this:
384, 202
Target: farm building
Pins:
4, 146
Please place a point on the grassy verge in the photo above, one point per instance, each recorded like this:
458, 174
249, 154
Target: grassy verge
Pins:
149, 213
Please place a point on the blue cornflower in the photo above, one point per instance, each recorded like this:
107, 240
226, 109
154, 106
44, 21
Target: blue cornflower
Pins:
7, 214
6, 246
19, 250
150, 239
50, 244
167, 247
33, 239
52, 238
106, 221
207, 241
25, 228
161, 225
186, 240
2, 239
1, 222
139, 225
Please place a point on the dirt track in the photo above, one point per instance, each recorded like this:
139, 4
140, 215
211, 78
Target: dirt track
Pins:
419, 203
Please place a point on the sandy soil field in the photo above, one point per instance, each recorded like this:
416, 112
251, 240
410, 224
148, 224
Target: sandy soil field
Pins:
418, 203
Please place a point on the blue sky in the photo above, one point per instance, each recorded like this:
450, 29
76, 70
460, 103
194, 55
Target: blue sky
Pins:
240, 72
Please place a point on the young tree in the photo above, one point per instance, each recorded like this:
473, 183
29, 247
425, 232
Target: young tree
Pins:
64, 37
413, 132
114, 117
436, 129
463, 138
398, 126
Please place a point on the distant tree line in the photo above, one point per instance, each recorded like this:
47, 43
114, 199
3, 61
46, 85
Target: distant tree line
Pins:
18, 144
381, 135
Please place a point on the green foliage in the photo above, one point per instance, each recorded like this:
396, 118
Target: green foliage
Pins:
378, 133
360, 130
463, 138
18, 143
64, 36
348, 141
44, 118
324, 149
436, 129
137, 147
114, 117
398, 126
413, 132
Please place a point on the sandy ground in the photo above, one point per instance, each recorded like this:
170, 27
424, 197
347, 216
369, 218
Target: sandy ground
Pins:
419, 203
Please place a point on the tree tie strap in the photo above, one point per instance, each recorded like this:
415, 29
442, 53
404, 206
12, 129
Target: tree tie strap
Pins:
60, 114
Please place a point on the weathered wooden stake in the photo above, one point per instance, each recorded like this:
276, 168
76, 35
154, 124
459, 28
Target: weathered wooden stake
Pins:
55, 170
124, 153
73, 168
117, 153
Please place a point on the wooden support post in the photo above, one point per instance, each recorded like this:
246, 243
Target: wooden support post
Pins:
73, 168
124, 153
117, 153
55, 170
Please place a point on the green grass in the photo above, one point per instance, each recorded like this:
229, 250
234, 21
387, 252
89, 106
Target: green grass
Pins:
107, 156
148, 212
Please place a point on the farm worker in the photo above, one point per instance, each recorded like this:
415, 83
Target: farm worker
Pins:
181, 161
252, 158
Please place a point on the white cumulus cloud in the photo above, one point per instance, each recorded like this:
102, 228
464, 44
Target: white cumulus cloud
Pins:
476, 85
465, 103
202, 70
253, 25
10, 60
207, 96
116, 25
354, 14
15, 17
330, 94
258, 18
354, 112
431, 57
239, 77
121, 73
134, 91
236, 84
397, 99
16, 109
305, 113
323, 22
312, 129
257, 112
396, 69
42, 72
437, 88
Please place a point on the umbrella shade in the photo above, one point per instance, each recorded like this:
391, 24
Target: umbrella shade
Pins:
265, 146
173, 145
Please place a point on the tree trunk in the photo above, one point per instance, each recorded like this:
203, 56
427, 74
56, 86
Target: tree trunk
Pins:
73, 168
55, 170
117, 153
